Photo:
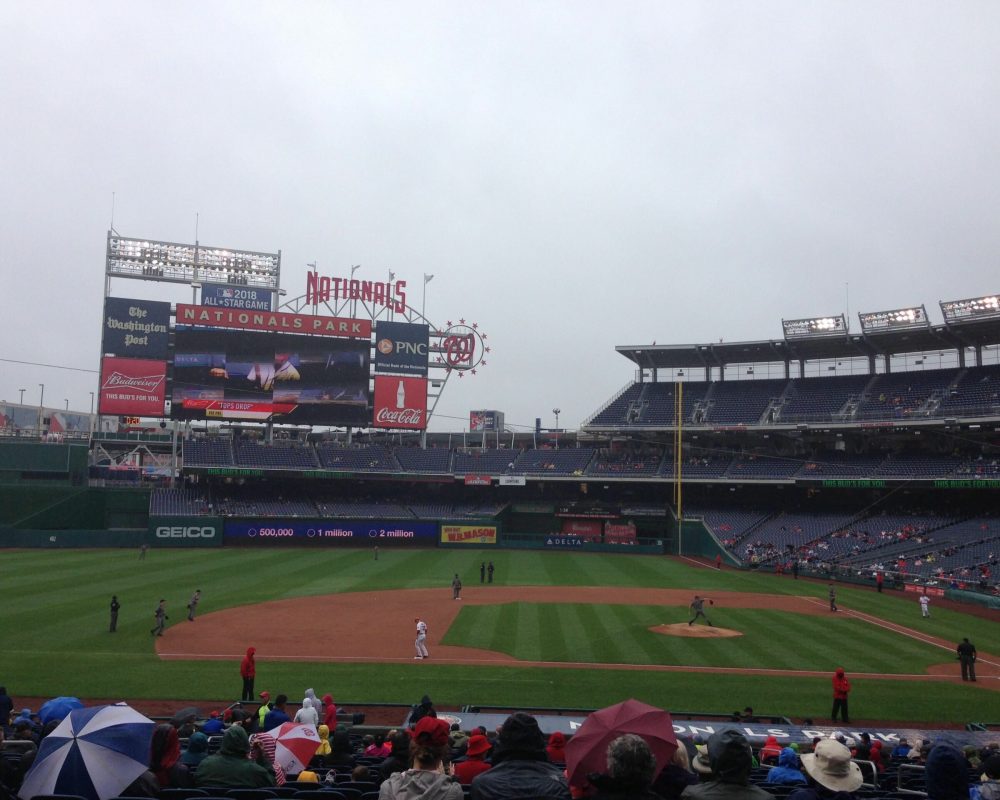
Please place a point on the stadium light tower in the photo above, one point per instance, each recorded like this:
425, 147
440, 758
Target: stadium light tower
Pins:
22, 391
41, 404
557, 412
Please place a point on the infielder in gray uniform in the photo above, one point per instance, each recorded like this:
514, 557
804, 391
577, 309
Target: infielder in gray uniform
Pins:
697, 609
161, 618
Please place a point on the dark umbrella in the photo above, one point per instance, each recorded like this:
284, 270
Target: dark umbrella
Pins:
58, 708
189, 714
587, 751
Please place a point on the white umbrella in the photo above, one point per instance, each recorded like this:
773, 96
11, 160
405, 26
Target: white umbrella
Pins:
295, 745
95, 752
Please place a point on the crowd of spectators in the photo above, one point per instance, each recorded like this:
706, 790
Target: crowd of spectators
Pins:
431, 759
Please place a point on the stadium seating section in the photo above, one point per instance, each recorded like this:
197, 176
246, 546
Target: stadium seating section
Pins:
971, 392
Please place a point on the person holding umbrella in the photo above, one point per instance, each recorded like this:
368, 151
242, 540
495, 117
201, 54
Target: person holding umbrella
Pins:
95, 753
631, 767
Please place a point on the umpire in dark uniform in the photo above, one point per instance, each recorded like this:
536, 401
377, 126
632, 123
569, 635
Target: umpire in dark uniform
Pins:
115, 606
967, 658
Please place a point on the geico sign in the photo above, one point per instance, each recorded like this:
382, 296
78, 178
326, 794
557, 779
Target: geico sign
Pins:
184, 532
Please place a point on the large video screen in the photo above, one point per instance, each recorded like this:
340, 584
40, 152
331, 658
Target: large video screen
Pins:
310, 380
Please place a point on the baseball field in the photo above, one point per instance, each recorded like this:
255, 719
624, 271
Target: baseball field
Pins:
554, 630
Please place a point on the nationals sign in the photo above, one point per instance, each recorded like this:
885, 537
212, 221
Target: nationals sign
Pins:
283, 321
133, 387
400, 402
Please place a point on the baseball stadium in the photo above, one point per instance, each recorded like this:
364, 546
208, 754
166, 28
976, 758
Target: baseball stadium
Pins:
727, 529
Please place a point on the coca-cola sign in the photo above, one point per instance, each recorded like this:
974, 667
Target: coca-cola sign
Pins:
132, 387
400, 402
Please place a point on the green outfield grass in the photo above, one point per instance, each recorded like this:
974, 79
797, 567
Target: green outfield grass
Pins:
54, 615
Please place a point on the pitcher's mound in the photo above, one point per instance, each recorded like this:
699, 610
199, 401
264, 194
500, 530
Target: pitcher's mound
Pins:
694, 631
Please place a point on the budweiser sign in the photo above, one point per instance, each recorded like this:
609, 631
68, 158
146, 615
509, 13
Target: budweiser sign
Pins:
144, 383
400, 402
132, 387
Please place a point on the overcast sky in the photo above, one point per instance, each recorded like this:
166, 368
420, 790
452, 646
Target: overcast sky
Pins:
576, 175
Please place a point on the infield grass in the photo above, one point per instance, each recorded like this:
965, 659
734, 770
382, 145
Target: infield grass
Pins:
55, 615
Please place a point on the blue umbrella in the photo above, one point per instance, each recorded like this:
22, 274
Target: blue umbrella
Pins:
95, 752
58, 708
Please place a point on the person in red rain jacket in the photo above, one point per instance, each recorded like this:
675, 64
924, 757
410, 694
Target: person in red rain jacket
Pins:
248, 671
841, 688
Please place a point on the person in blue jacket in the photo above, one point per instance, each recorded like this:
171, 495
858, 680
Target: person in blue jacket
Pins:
787, 773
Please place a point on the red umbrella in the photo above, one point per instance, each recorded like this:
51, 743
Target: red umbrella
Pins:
295, 745
587, 751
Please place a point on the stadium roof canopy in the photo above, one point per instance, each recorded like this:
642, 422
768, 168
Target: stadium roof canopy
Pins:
955, 336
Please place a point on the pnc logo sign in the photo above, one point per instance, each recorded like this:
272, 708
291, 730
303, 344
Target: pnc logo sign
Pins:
401, 348
185, 532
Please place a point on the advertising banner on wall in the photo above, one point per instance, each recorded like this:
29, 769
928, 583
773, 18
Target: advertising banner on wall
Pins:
185, 531
400, 402
263, 532
468, 534
236, 297
135, 328
589, 529
132, 387
280, 321
486, 420
401, 347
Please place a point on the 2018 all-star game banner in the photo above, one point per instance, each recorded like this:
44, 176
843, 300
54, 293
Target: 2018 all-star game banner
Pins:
400, 402
132, 386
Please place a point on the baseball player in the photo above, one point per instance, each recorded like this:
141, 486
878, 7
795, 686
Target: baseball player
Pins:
456, 588
697, 609
419, 644
924, 605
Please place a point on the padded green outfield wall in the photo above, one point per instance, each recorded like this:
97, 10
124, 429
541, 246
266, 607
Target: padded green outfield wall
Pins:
161, 532
56, 508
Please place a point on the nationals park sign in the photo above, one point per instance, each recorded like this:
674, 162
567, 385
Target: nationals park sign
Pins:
282, 321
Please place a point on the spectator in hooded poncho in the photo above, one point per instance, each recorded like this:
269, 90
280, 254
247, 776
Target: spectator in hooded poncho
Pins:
730, 760
787, 773
197, 750
232, 767
556, 748
329, 712
520, 765
946, 774
307, 715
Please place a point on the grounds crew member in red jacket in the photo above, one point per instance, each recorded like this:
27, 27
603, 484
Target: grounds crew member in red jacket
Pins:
248, 671
841, 688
